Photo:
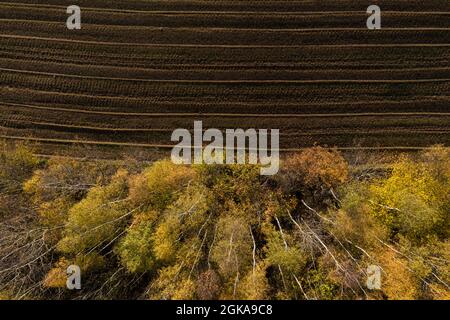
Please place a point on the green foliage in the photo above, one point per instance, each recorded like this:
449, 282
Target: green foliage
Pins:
283, 251
320, 286
136, 248
354, 221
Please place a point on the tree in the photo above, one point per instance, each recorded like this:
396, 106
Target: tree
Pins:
232, 251
255, 285
313, 171
97, 219
399, 283
135, 249
411, 201
172, 284
169, 231
354, 224
283, 251
165, 238
62, 183
159, 184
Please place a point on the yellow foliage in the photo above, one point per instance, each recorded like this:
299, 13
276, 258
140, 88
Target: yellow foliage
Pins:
63, 182
254, 286
157, 186
439, 292
16, 164
4, 295
165, 238
55, 213
290, 258
98, 217
90, 262
411, 200
397, 282
57, 276
66, 177
171, 285
185, 290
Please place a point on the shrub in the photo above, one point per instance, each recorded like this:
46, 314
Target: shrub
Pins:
313, 170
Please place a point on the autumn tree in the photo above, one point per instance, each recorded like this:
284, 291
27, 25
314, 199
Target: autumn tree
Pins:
315, 172
61, 184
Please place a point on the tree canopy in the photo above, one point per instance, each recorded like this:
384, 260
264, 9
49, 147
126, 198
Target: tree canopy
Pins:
167, 231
